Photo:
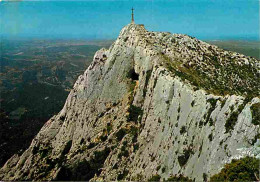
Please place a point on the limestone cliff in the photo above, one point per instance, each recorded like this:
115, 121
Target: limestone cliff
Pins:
154, 103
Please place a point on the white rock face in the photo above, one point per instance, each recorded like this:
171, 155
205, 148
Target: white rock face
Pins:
135, 112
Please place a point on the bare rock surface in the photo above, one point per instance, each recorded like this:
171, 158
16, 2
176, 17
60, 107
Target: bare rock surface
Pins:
153, 103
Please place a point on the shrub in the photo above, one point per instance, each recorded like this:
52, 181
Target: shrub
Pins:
158, 167
213, 103
103, 138
183, 159
231, 121
124, 152
155, 178
67, 147
44, 151
136, 147
109, 127
163, 169
134, 112
211, 122
179, 178
122, 176
120, 134
84, 170
205, 177
183, 130
255, 109
134, 133
210, 137
147, 78
178, 117
35, 150
244, 169
91, 145
132, 86
223, 103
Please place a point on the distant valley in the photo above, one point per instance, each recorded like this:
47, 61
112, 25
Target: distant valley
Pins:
36, 77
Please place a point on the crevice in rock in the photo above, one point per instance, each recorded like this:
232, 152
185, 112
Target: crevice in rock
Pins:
133, 75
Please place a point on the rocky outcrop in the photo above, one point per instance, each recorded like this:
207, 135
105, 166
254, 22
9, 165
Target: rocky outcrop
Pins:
154, 103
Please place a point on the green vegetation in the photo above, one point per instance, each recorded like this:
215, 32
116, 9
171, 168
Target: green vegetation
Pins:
91, 145
158, 167
245, 169
213, 103
121, 133
134, 113
210, 137
109, 127
136, 147
223, 102
211, 122
131, 88
183, 130
44, 151
163, 169
179, 109
257, 136
67, 147
178, 117
134, 133
155, 82
123, 152
255, 110
192, 103
200, 150
155, 178
179, 178
103, 138
213, 76
84, 170
174, 178
147, 78
122, 176
205, 177
231, 121
183, 159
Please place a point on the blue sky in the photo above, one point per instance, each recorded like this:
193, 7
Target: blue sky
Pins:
204, 19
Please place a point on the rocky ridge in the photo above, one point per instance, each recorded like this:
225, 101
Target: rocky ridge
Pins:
153, 103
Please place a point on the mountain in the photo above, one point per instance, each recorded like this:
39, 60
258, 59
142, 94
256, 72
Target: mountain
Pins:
154, 103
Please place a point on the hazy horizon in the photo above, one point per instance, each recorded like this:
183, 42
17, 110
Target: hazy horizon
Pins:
103, 20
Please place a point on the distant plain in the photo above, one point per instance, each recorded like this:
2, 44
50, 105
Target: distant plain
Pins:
248, 48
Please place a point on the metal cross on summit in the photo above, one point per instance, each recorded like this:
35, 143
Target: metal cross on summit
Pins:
133, 21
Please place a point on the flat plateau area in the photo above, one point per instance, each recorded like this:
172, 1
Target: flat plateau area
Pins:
248, 48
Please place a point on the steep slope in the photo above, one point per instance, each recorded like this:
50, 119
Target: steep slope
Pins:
154, 103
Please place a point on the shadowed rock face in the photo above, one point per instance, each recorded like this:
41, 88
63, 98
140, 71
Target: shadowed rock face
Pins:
154, 103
